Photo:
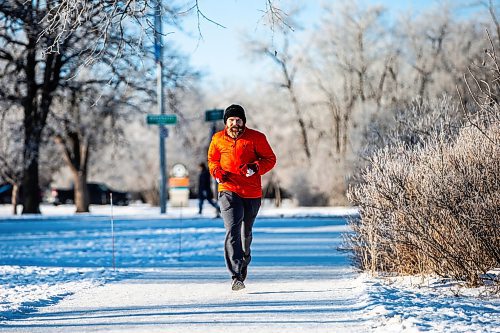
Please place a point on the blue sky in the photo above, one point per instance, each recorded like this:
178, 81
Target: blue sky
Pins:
220, 54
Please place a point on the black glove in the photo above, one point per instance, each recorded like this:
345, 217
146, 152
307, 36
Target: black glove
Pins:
221, 176
249, 169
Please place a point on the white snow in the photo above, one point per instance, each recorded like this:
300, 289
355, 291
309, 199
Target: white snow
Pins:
56, 275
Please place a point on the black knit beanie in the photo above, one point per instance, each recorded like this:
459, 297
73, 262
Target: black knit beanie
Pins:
234, 110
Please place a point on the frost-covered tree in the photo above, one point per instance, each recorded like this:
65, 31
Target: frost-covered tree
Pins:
11, 142
64, 17
36, 76
287, 61
357, 66
82, 123
11, 156
352, 64
40, 42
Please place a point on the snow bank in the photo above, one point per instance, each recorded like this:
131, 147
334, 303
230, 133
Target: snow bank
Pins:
268, 210
415, 303
25, 289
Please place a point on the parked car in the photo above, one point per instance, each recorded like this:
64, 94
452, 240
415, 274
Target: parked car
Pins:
99, 194
6, 194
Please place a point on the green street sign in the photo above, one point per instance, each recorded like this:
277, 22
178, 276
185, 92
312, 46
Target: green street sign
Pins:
161, 119
214, 115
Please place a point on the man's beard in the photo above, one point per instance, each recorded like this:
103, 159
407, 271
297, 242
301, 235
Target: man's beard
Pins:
235, 131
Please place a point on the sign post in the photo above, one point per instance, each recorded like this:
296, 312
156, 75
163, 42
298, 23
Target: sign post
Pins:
162, 120
161, 109
213, 116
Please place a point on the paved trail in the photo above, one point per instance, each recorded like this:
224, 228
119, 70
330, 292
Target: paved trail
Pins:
298, 282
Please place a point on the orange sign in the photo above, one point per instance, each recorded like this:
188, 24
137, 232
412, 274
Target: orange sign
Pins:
178, 182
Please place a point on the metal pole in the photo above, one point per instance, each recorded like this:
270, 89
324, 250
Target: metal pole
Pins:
112, 230
161, 108
214, 183
214, 129
180, 236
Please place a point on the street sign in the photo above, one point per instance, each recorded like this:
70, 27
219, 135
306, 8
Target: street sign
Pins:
161, 119
214, 115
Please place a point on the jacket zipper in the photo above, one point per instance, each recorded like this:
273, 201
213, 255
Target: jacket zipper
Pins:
234, 143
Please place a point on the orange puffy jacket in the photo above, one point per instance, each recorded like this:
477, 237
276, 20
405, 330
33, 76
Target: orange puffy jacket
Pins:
231, 154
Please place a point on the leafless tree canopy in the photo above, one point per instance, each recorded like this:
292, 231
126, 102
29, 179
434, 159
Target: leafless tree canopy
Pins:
45, 45
356, 77
64, 17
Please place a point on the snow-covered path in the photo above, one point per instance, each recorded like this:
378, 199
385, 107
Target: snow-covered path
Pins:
171, 277
189, 300
56, 276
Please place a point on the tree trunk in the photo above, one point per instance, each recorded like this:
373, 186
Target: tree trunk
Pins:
289, 85
277, 194
36, 106
81, 192
31, 188
34, 121
15, 191
31, 200
337, 121
76, 154
423, 83
345, 129
32, 136
302, 125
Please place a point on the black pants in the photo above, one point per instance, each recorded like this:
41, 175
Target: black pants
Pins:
238, 214
202, 196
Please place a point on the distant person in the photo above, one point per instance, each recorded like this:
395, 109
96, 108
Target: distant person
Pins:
238, 156
205, 190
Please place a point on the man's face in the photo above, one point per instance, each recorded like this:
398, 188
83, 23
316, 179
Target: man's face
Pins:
234, 126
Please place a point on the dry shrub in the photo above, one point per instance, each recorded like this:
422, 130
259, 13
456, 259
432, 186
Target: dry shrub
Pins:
429, 199
432, 209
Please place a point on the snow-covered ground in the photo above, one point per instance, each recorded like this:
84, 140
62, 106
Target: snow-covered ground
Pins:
56, 275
